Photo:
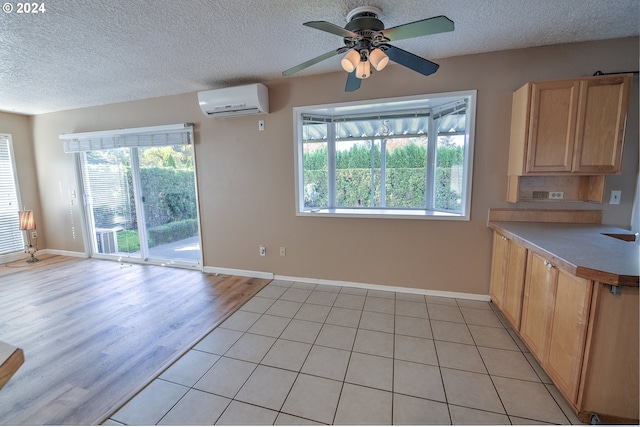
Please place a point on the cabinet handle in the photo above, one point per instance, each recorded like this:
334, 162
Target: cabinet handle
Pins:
503, 238
548, 264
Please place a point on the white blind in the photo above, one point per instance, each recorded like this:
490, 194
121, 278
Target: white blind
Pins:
11, 238
107, 189
156, 136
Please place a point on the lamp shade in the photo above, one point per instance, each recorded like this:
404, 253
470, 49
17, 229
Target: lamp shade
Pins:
27, 222
363, 70
350, 61
378, 59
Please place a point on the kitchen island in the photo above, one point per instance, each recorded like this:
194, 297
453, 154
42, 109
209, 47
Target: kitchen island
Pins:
568, 285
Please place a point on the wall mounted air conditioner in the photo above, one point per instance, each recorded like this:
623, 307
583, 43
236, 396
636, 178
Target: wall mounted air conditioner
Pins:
235, 101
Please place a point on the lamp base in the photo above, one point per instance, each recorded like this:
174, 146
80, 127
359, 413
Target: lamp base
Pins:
32, 259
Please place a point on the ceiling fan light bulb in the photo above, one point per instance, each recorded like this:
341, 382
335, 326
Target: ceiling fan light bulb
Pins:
363, 70
350, 61
378, 59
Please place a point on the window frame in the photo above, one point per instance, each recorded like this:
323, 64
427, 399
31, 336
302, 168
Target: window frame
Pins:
132, 140
17, 239
377, 107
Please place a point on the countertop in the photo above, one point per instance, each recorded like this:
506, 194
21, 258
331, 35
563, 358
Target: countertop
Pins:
582, 249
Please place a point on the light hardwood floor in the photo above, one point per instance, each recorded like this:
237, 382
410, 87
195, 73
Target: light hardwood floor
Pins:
94, 332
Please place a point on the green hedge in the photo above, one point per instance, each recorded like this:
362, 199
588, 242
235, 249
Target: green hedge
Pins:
172, 232
405, 183
128, 240
169, 195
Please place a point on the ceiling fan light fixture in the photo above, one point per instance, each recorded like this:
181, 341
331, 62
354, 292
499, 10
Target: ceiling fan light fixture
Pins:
363, 70
350, 61
378, 59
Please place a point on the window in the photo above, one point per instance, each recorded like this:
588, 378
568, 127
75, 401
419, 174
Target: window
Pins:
405, 157
11, 238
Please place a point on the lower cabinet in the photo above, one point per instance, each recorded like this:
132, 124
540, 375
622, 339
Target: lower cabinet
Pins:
555, 317
507, 277
609, 381
537, 305
569, 321
583, 333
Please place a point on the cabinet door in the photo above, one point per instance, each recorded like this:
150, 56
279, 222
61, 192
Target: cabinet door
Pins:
600, 126
537, 304
514, 283
609, 382
569, 323
552, 126
498, 269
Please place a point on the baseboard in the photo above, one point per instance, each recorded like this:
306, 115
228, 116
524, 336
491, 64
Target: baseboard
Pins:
434, 293
17, 256
236, 272
267, 275
63, 253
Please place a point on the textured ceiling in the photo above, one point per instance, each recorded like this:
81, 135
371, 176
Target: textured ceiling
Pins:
81, 53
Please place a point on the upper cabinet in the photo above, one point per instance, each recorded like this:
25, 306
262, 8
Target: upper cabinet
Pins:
602, 114
567, 129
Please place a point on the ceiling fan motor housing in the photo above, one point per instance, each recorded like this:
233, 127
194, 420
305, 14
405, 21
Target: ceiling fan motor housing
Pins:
364, 22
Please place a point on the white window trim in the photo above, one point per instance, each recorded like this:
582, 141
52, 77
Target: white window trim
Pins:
16, 183
428, 214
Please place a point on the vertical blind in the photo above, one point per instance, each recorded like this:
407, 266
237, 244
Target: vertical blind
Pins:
11, 238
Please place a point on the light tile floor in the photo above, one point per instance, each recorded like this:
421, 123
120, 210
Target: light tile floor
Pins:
300, 353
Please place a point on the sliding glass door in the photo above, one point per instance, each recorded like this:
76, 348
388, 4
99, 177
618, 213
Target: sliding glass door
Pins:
167, 185
141, 203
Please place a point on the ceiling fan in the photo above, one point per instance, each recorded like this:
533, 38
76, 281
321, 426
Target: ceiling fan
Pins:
367, 43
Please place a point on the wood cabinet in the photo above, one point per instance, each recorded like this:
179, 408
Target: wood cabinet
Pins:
572, 128
537, 306
568, 331
609, 383
550, 108
583, 332
602, 113
585, 338
498, 269
507, 277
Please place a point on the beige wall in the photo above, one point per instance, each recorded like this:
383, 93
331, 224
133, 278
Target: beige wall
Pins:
19, 127
246, 177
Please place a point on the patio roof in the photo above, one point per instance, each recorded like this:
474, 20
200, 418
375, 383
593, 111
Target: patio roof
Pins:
408, 125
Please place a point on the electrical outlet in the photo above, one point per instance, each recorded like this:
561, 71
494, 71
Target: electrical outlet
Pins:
34, 234
540, 195
283, 251
615, 197
263, 251
260, 125
556, 195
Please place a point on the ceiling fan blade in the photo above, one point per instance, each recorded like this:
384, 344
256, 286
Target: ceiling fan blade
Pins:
409, 60
333, 29
311, 62
437, 24
353, 83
